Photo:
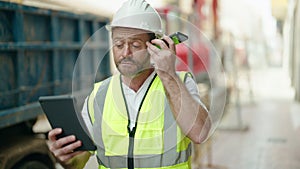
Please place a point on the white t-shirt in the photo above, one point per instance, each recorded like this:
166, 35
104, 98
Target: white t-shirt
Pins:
134, 99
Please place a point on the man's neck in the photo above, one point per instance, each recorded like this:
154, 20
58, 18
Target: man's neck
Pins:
137, 81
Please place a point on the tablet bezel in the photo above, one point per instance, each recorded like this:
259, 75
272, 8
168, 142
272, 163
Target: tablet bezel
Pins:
61, 113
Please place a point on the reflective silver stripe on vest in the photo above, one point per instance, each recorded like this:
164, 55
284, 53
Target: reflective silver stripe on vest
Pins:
168, 158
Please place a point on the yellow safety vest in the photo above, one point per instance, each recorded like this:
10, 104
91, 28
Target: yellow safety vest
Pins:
156, 141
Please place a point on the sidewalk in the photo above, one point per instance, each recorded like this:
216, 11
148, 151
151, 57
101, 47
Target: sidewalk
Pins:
272, 118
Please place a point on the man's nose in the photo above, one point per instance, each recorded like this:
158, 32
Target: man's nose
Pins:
127, 51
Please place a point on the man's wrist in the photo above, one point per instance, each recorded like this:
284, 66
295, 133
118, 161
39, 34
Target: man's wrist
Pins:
168, 77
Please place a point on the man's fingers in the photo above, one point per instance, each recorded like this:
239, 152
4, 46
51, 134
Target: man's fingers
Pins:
170, 42
63, 148
160, 43
152, 48
63, 141
53, 133
67, 149
71, 147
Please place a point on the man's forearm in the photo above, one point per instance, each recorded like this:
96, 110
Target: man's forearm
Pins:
190, 115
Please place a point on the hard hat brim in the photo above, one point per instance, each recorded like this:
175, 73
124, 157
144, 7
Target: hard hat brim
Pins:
110, 27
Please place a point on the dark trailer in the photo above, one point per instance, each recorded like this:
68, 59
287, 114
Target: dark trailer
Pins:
38, 52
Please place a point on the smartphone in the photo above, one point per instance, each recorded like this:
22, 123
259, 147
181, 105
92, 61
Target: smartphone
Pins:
177, 38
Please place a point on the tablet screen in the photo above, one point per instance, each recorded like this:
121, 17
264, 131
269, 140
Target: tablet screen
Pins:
61, 113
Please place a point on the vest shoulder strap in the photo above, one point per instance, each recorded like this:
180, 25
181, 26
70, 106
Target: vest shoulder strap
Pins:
103, 85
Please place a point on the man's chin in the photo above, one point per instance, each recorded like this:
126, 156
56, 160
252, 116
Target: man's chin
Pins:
127, 73
130, 72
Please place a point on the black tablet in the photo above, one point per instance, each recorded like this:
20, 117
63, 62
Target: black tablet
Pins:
61, 113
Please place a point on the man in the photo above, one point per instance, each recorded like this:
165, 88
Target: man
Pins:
146, 116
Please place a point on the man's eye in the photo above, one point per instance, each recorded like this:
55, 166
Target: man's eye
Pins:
136, 45
118, 45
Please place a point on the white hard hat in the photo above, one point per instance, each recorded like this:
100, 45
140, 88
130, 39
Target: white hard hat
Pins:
137, 14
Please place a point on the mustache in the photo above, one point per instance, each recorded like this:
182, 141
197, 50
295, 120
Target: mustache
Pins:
126, 60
